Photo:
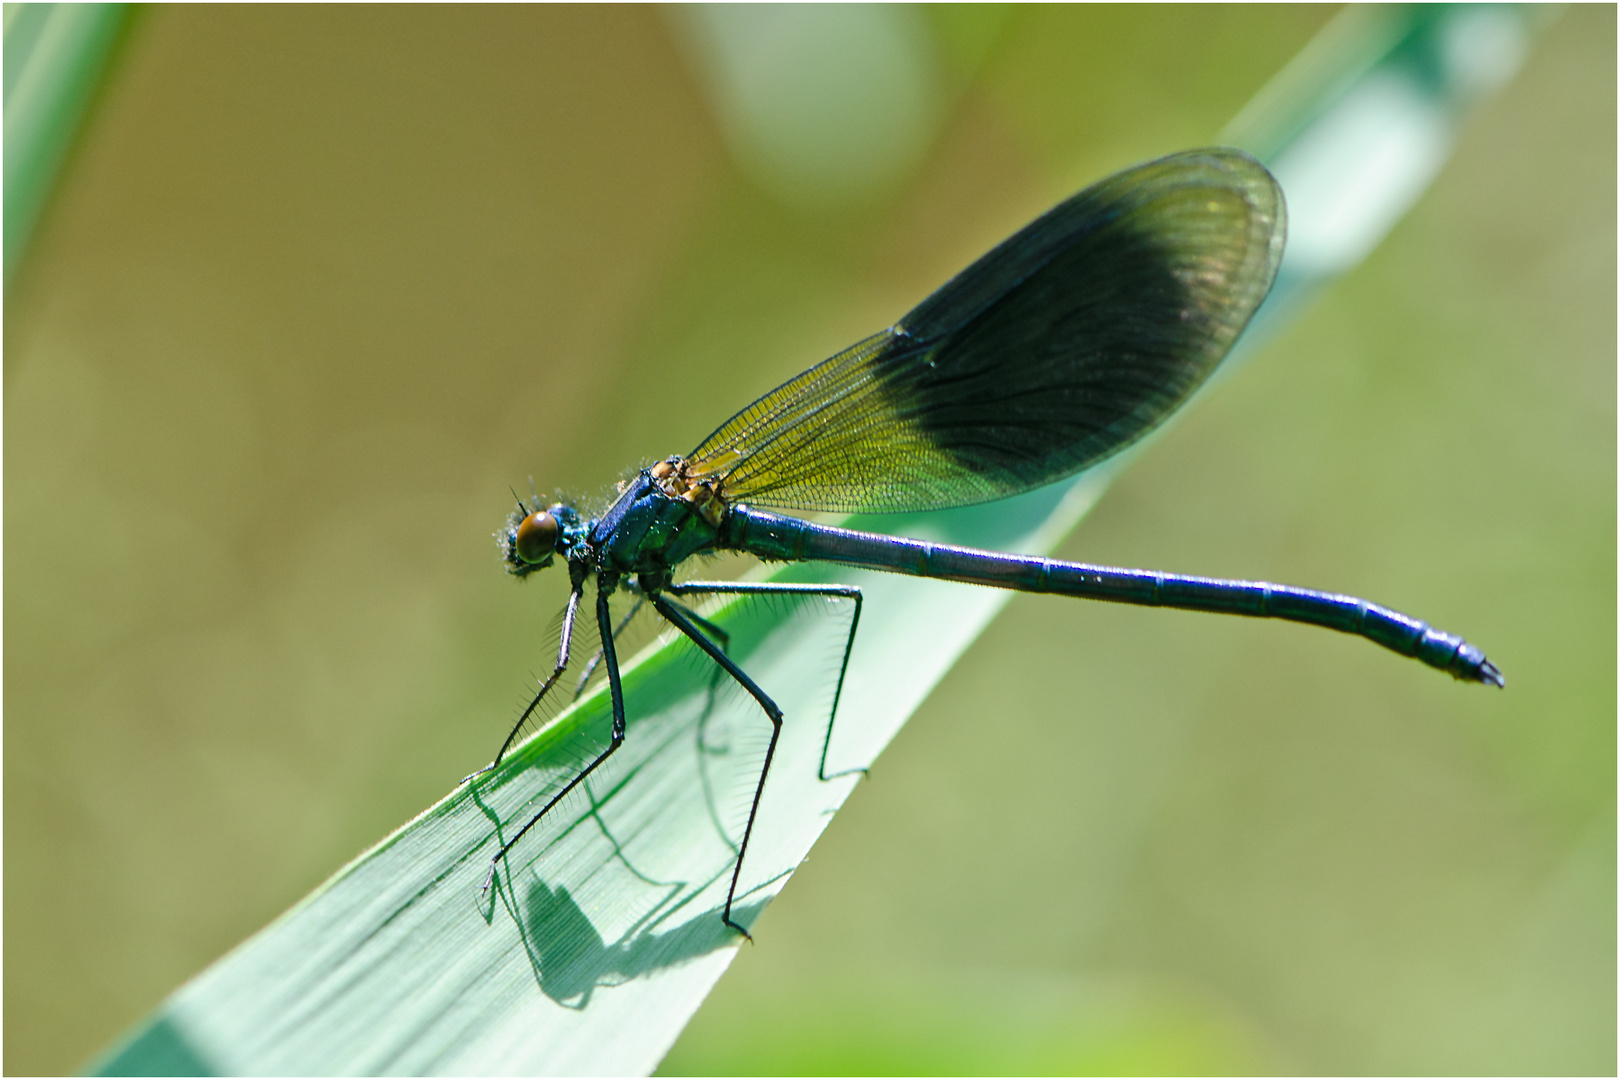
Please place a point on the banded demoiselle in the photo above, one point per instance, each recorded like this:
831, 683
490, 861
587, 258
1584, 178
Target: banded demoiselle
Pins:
1062, 346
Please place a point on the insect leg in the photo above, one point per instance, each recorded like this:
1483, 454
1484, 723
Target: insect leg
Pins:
590, 666
604, 623
844, 592
569, 615
714, 630
690, 629
635, 609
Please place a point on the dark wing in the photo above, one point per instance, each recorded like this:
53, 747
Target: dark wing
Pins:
1070, 340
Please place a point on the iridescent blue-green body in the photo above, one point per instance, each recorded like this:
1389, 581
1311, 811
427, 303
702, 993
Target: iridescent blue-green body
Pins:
1065, 344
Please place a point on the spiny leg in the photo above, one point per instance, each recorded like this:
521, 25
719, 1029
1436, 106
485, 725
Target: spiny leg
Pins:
604, 623
635, 609
714, 630
690, 629
590, 667
569, 615
845, 592
723, 638
706, 749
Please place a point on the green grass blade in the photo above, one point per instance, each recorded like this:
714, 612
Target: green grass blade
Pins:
54, 55
604, 934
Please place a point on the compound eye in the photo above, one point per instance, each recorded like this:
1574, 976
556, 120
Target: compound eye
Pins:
536, 538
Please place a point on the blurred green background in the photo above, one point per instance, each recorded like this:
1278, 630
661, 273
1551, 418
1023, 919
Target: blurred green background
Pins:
319, 284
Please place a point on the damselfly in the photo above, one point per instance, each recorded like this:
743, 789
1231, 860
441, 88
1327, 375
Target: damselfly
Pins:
1068, 342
